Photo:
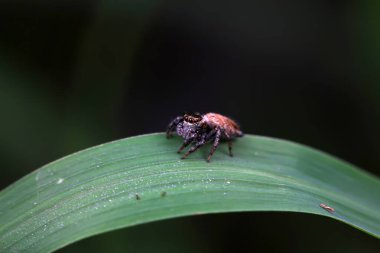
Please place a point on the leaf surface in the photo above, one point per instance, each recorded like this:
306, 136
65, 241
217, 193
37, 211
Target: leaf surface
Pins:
142, 179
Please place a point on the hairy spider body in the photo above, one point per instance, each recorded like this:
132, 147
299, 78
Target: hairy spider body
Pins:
199, 129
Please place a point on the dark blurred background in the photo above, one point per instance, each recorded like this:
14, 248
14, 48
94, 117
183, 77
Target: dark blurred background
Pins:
74, 74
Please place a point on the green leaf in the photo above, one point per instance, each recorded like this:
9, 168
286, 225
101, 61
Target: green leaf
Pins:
141, 179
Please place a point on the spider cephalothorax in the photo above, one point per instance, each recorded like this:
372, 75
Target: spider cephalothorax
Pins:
200, 129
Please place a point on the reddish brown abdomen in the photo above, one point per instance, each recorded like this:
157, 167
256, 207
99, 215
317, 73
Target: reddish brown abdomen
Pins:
230, 127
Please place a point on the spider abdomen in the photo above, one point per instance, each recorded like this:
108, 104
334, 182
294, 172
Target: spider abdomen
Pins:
230, 128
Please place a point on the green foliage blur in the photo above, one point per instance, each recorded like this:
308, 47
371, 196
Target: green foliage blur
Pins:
74, 74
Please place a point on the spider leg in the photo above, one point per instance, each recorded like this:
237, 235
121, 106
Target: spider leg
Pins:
230, 148
205, 138
184, 145
194, 148
210, 135
172, 126
216, 144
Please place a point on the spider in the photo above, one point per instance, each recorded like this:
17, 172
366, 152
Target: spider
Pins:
200, 129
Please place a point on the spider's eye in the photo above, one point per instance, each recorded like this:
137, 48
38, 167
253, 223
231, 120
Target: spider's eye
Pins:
192, 117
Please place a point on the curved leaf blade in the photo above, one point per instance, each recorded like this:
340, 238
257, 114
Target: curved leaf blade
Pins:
142, 179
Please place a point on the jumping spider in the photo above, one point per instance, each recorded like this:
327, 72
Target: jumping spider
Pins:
200, 129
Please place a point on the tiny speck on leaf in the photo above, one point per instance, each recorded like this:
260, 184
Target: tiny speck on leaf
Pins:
327, 208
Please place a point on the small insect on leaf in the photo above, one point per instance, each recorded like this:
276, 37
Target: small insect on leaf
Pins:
327, 208
137, 197
163, 194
